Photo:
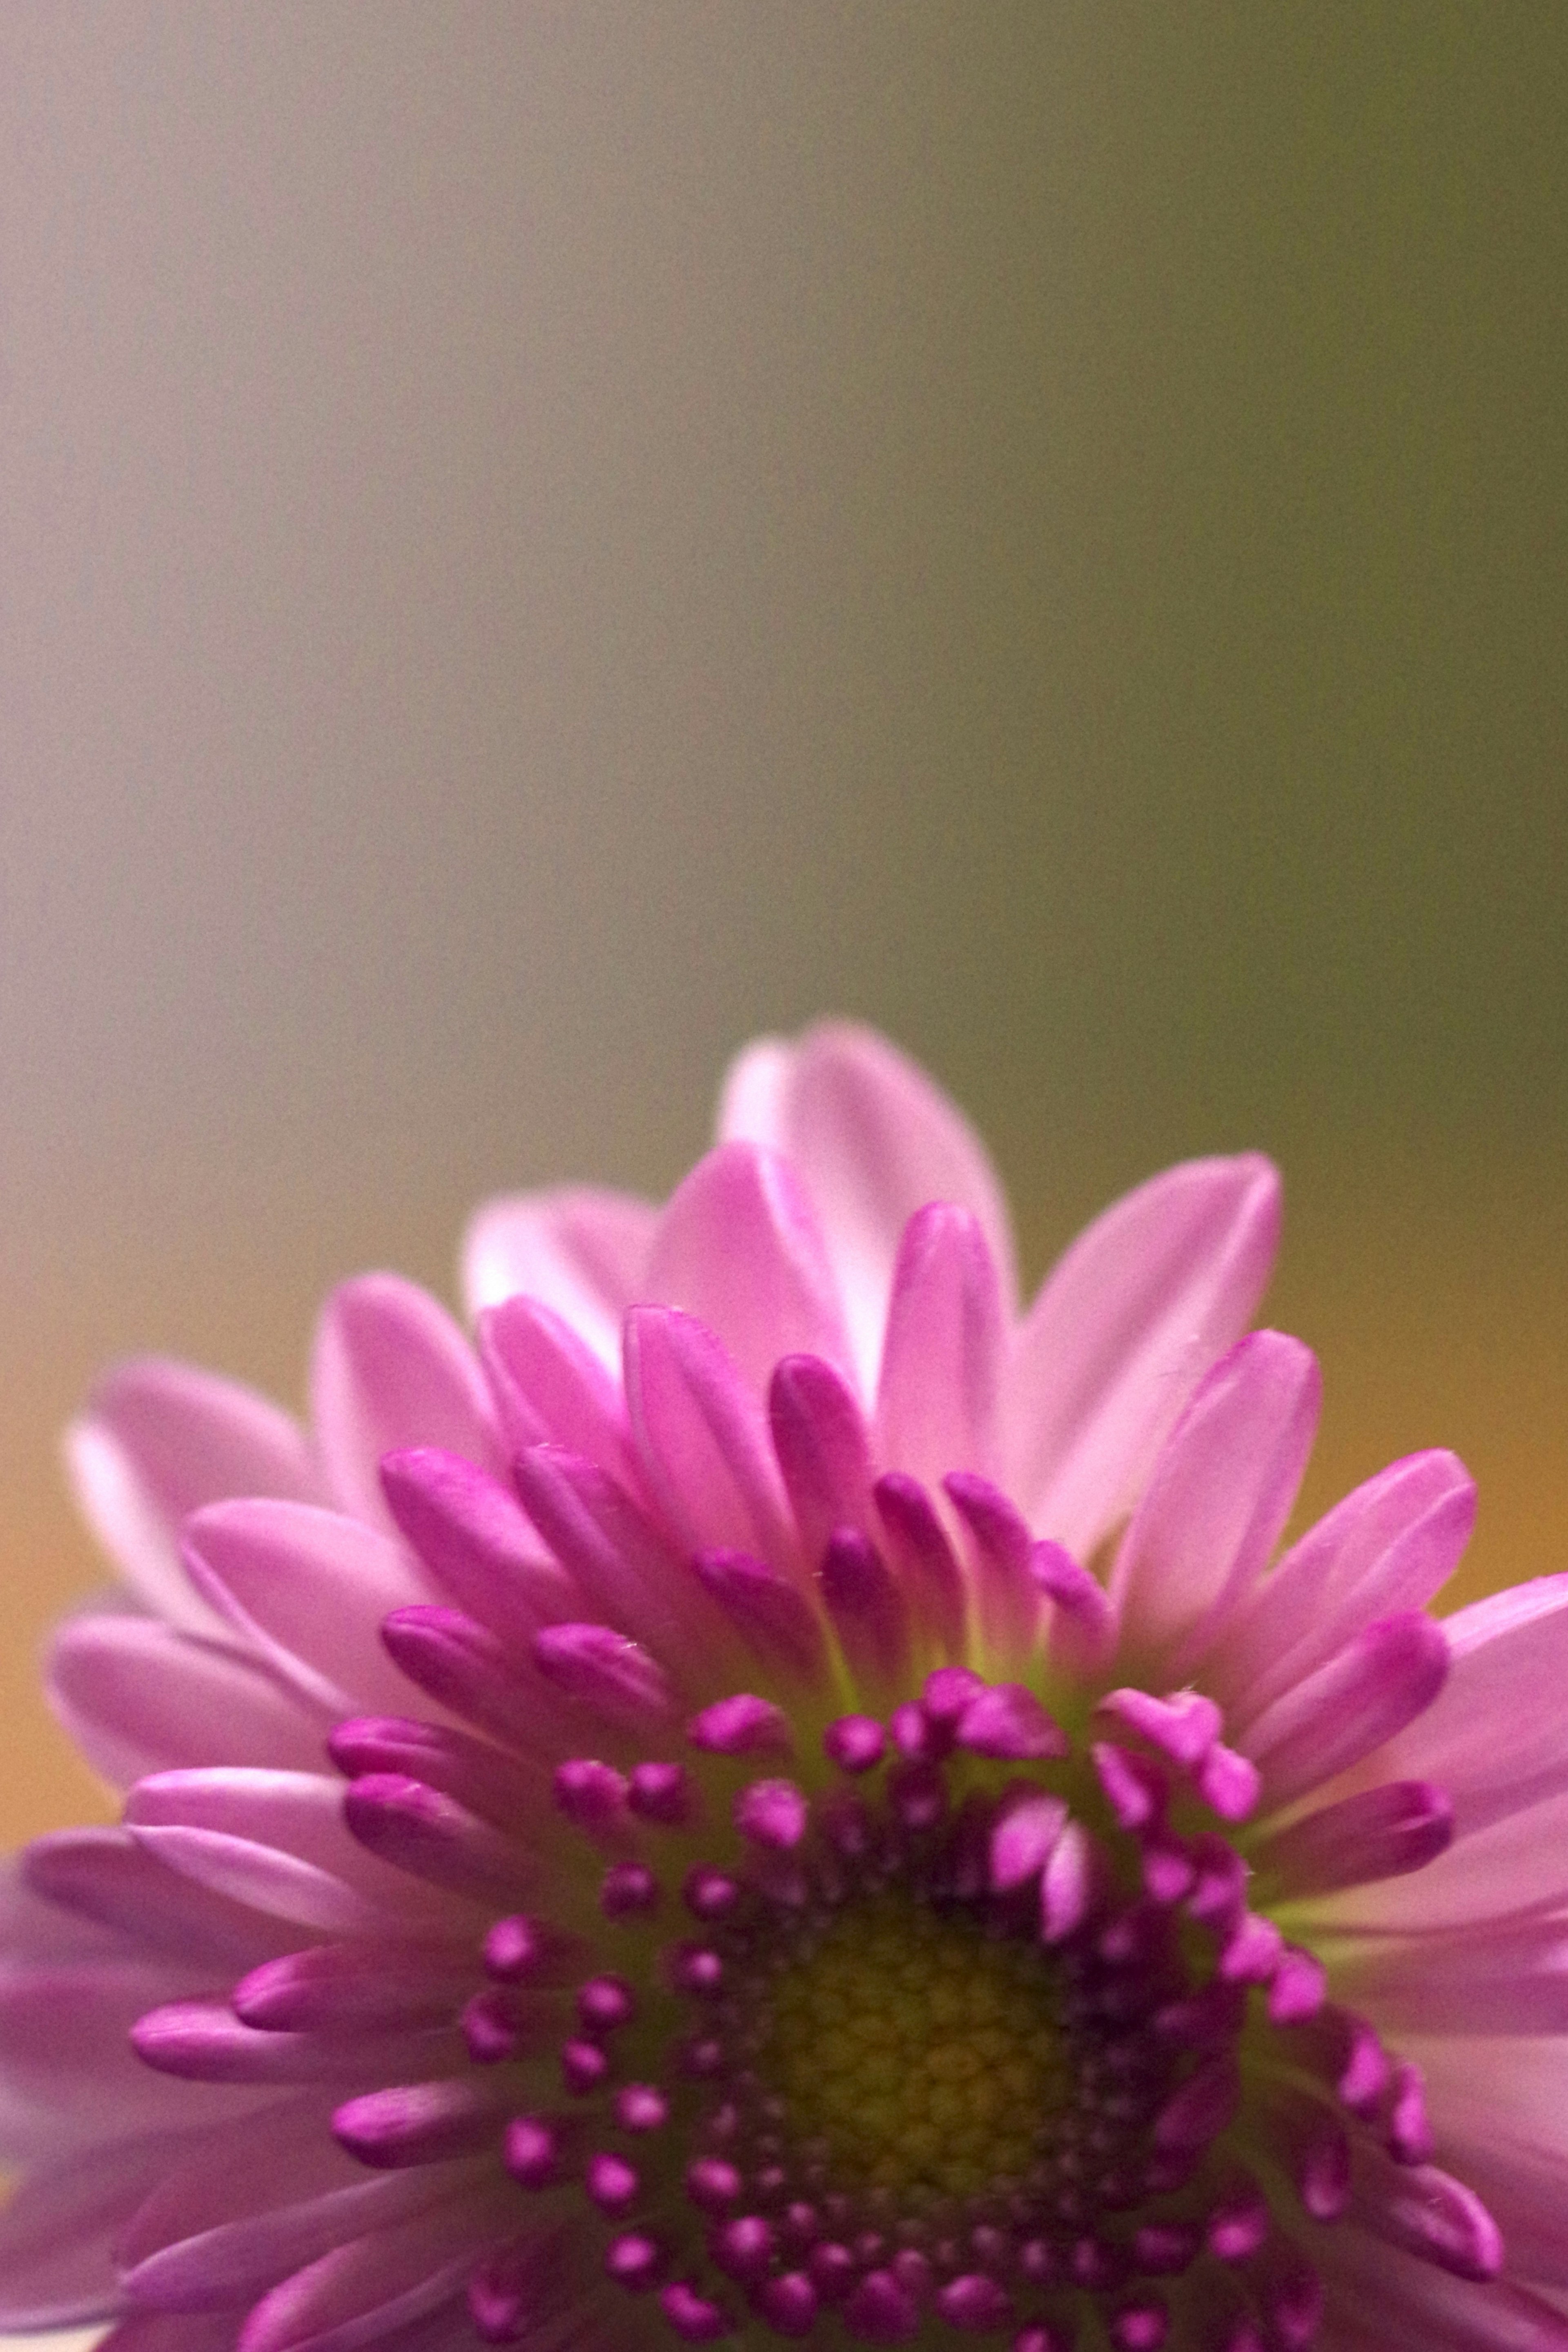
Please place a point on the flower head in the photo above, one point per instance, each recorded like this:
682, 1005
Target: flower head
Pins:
779, 1798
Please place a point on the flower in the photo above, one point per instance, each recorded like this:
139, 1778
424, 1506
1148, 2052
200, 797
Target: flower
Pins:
782, 1799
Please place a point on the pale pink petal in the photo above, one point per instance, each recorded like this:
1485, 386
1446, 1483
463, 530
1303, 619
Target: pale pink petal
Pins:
1509, 2091
103, 1877
171, 2331
64, 2047
739, 1246
309, 1587
1220, 1494
59, 2230
391, 1370
363, 2290
279, 2218
476, 1541
1496, 1738
823, 1447
1123, 1329
1382, 2299
551, 1388
1349, 1708
936, 1400
138, 1696
273, 2155
196, 1820
158, 1439
875, 1140
1503, 1979
702, 1438
1388, 1547
1518, 1864
579, 1249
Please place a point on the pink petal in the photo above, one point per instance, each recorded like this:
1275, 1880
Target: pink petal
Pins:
1123, 1330
1388, 1547
579, 1249
1507, 1980
936, 1400
137, 1697
823, 1447
1496, 1737
1220, 1493
171, 2331
470, 1532
464, 1667
203, 2041
255, 2201
923, 1559
64, 2045
738, 1247
1379, 1683
702, 1437
57, 2232
1381, 2297
431, 1838
874, 1140
622, 1567
1381, 1832
201, 1821
1517, 1864
159, 1439
361, 2291
391, 1370
551, 1388
310, 1588
103, 1875
504, 1788
356, 1987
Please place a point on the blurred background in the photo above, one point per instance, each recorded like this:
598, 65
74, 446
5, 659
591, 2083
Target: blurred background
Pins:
536, 541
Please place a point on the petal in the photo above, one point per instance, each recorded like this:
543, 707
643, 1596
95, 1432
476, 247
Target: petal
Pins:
875, 1140
390, 1369
581, 1250
1220, 1493
1124, 1327
936, 1399
1388, 1547
157, 1440
360, 2291
1498, 1980
310, 1588
470, 1532
64, 2045
823, 1447
1379, 1683
1496, 1737
1518, 1864
103, 1875
254, 2202
739, 1247
623, 1567
551, 1388
245, 1833
702, 1438
137, 1697
58, 2231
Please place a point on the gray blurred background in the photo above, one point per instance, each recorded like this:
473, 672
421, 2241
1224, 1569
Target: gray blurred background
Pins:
536, 541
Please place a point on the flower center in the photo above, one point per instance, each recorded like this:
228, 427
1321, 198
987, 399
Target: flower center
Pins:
921, 2052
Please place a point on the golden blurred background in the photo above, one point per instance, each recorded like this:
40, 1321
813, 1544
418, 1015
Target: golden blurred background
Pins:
537, 540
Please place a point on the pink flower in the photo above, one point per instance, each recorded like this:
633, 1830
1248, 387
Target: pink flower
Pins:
784, 1798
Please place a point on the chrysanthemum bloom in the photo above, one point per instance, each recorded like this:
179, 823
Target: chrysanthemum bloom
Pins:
783, 1799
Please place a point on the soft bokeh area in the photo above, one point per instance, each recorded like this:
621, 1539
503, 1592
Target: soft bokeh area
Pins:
536, 541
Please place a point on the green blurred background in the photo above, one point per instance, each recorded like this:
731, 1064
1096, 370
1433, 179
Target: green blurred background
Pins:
539, 541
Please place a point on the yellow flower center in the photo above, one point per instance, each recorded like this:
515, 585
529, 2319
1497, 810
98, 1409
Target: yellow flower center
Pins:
925, 2055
